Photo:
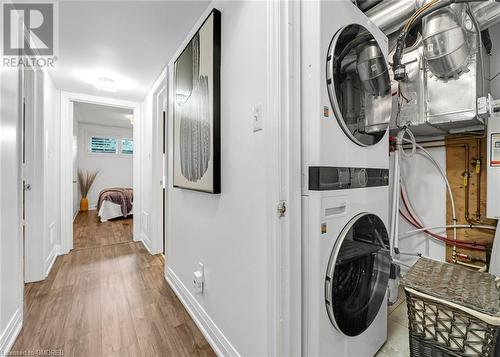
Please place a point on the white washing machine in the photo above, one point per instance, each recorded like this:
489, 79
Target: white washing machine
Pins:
347, 260
346, 108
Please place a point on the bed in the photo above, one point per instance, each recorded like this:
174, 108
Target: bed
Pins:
115, 202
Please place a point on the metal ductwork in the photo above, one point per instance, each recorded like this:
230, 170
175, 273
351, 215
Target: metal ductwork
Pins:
487, 13
372, 69
390, 15
446, 47
365, 5
445, 71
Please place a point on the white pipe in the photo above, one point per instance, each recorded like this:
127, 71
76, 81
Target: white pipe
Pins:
455, 226
448, 186
470, 265
395, 206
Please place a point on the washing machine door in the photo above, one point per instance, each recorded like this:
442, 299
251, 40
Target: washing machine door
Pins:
359, 85
358, 274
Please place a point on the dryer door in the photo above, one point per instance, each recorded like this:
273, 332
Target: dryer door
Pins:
358, 274
359, 86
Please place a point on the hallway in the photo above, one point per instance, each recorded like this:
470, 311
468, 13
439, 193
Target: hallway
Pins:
108, 297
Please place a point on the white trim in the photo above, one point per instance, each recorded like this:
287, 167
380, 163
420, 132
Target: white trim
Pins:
284, 171
11, 331
67, 99
207, 326
51, 259
146, 242
156, 219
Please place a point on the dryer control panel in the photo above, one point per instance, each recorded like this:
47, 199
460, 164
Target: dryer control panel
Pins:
327, 178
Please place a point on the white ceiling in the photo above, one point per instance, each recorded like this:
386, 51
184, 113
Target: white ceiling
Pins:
128, 41
102, 115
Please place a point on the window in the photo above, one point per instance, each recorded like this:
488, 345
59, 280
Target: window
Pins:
102, 145
127, 146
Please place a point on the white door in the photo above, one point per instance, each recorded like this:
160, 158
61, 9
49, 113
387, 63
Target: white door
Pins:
32, 175
28, 169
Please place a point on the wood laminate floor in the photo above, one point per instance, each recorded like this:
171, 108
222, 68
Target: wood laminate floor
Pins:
89, 232
106, 299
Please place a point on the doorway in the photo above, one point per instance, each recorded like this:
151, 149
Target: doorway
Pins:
99, 144
159, 153
103, 196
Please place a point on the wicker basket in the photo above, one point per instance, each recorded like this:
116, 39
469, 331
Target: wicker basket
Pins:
452, 311
439, 330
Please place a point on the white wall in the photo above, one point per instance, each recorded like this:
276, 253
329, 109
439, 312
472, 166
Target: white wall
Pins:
427, 193
114, 170
495, 61
228, 232
11, 278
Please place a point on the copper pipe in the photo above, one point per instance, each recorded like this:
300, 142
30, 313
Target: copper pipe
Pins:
466, 172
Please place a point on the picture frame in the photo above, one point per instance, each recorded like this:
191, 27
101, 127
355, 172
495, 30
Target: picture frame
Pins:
196, 111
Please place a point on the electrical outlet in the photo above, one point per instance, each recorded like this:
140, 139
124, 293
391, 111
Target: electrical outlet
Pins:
198, 279
257, 118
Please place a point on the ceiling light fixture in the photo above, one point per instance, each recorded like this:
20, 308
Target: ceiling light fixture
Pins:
106, 84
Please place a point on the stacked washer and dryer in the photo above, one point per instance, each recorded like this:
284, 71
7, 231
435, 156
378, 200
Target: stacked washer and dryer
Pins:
346, 108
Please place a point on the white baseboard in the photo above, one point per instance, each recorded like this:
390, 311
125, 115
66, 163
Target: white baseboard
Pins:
10, 333
146, 242
207, 326
75, 214
49, 262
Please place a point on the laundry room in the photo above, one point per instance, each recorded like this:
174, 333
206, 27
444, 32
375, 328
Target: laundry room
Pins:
400, 215
316, 178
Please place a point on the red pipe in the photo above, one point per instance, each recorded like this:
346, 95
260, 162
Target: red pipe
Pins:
414, 222
461, 244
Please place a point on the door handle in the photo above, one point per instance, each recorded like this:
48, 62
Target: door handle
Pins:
27, 187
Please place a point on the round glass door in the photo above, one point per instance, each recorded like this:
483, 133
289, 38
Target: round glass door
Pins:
359, 85
358, 274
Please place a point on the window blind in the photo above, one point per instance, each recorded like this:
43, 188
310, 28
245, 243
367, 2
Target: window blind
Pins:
102, 145
127, 146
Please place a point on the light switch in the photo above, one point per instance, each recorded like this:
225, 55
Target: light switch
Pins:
257, 118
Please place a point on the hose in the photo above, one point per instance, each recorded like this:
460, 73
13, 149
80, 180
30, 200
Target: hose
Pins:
416, 223
468, 245
469, 226
448, 186
394, 233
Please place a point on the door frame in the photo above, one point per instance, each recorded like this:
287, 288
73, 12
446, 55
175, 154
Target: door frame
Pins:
159, 176
67, 100
284, 170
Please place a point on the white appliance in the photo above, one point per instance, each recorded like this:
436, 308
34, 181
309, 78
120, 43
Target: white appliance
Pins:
346, 252
493, 183
346, 108
493, 155
358, 137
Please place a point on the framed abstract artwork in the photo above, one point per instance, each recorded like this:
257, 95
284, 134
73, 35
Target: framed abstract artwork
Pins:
196, 95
